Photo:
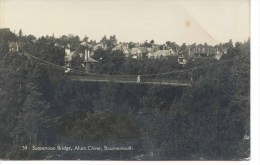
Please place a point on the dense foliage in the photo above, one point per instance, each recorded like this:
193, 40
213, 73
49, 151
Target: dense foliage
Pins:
40, 106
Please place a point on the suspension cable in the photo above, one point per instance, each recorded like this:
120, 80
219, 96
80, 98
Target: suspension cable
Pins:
46, 63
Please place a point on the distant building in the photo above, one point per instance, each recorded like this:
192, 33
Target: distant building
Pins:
219, 54
13, 47
182, 59
127, 52
136, 53
201, 51
124, 48
121, 46
99, 46
68, 54
4, 30
160, 53
88, 61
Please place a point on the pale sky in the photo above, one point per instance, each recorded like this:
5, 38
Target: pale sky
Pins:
180, 21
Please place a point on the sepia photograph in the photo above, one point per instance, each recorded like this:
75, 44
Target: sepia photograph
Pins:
129, 80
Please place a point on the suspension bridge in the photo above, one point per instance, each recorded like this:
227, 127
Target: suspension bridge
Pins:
179, 78
129, 80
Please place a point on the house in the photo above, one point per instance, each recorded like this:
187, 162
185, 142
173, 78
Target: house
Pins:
182, 59
136, 53
120, 46
160, 53
99, 46
88, 62
143, 50
124, 48
201, 51
127, 52
219, 54
13, 47
4, 30
68, 54
224, 50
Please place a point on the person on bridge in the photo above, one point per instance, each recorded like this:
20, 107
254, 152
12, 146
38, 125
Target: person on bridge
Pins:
67, 70
138, 78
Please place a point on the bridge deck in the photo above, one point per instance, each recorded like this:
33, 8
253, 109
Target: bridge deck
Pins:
131, 80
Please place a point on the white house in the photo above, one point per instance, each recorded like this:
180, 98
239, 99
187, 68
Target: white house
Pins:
182, 60
13, 47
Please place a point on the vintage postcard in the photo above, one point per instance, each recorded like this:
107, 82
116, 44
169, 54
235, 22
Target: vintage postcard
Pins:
125, 80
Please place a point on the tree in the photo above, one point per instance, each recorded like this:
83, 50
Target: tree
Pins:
146, 44
85, 39
34, 117
20, 33
104, 39
131, 45
76, 62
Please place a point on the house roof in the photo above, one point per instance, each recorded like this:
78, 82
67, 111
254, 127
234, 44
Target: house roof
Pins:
69, 57
143, 49
120, 47
13, 44
162, 53
135, 51
218, 55
181, 56
150, 49
126, 51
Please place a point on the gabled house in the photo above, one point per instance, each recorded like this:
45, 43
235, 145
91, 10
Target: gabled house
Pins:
99, 46
219, 54
88, 62
124, 48
136, 53
143, 50
150, 55
127, 52
68, 54
160, 53
201, 51
182, 59
13, 47
120, 46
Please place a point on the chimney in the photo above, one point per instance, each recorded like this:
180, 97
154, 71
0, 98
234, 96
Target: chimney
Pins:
86, 55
